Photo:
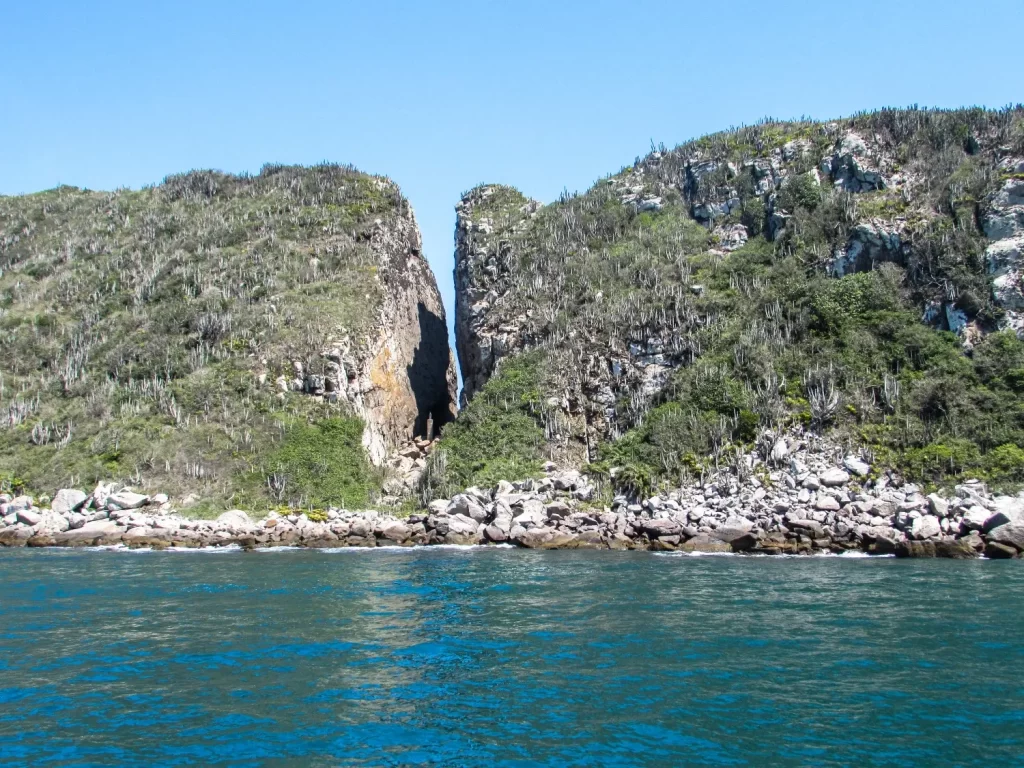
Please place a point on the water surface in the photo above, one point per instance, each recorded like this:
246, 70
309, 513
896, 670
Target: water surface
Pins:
507, 658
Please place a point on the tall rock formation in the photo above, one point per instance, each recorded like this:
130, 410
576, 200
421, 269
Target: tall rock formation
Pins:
183, 336
752, 274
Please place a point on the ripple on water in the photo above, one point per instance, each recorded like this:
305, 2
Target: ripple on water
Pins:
502, 657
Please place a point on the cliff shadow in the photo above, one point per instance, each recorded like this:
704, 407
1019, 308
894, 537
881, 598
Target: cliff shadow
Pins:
428, 373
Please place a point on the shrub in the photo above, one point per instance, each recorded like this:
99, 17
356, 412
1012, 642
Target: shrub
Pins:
1005, 464
323, 464
498, 436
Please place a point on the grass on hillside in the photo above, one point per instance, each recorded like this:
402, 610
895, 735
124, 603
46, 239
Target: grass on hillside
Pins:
142, 332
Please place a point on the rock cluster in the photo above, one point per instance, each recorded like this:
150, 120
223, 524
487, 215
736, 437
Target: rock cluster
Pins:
1003, 224
798, 501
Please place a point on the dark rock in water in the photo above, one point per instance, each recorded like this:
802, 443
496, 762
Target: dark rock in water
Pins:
958, 549
704, 543
882, 546
15, 536
40, 541
996, 551
495, 534
744, 543
1010, 534
590, 540
619, 541
148, 542
666, 544
547, 538
945, 548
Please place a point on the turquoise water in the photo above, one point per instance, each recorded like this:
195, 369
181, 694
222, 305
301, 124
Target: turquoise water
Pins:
507, 658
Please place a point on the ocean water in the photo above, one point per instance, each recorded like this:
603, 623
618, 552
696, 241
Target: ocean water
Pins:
501, 657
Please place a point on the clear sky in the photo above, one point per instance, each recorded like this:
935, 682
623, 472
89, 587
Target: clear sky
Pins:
441, 96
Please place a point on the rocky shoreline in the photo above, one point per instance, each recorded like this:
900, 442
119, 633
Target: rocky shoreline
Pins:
796, 500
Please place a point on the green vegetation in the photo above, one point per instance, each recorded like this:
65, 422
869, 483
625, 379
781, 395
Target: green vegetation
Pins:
143, 331
324, 463
499, 436
764, 336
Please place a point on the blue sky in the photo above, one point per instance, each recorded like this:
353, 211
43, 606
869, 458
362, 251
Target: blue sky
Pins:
442, 96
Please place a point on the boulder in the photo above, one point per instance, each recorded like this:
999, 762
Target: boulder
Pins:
662, 526
51, 523
67, 500
744, 543
1007, 510
779, 451
462, 525
29, 517
811, 527
834, 477
566, 481
530, 513
126, 500
547, 538
234, 518
495, 534
856, 466
395, 530
556, 510
938, 505
1010, 534
704, 543
19, 504
15, 535
826, 504
89, 533
943, 548
438, 506
468, 506
996, 551
925, 527
135, 535
733, 529
974, 519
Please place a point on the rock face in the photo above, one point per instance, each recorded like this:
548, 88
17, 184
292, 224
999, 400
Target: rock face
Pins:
1003, 224
408, 364
223, 303
483, 275
531, 276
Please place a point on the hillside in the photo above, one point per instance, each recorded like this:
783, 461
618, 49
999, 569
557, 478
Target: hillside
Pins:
236, 340
860, 277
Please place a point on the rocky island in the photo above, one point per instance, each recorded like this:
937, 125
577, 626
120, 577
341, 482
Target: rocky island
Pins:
788, 338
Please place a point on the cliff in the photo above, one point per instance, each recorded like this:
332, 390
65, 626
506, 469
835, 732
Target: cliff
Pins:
236, 339
861, 275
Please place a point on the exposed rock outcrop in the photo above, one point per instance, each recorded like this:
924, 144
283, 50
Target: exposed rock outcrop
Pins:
1003, 224
401, 375
595, 280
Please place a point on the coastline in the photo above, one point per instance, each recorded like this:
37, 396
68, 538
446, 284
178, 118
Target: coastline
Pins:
802, 500
793, 511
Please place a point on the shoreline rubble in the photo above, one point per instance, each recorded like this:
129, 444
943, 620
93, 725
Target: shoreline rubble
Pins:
800, 501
